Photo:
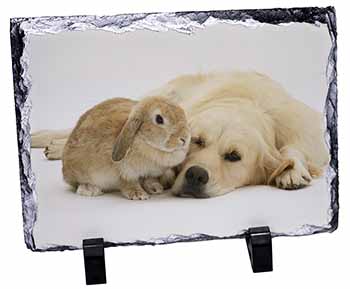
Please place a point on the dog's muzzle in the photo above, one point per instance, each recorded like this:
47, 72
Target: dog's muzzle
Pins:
196, 178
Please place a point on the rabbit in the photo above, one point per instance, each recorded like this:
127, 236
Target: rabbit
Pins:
121, 144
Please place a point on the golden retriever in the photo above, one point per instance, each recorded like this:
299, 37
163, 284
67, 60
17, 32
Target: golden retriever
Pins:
246, 130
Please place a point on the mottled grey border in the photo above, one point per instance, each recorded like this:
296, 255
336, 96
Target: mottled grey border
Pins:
184, 22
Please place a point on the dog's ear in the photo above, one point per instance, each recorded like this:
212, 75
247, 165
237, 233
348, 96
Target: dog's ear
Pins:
126, 136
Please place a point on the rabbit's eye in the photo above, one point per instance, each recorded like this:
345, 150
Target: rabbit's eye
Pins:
159, 119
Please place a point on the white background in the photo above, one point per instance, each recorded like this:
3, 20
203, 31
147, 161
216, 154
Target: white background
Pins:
316, 261
73, 71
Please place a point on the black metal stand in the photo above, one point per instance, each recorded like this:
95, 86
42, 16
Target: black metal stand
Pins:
259, 243
94, 260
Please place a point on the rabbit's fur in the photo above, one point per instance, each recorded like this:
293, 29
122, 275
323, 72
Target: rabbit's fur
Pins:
119, 143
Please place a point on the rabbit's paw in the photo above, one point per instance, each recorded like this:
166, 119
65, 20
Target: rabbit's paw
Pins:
168, 179
136, 194
89, 190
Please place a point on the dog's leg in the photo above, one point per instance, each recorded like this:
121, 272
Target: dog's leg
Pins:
89, 190
43, 138
152, 186
295, 177
54, 150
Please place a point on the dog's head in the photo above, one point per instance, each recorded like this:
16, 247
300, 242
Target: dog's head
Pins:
233, 145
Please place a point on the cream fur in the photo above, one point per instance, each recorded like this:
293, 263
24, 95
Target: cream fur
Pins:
279, 138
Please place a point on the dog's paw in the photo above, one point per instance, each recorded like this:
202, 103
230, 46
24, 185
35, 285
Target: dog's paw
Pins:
294, 178
89, 190
153, 186
40, 139
54, 150
136, 194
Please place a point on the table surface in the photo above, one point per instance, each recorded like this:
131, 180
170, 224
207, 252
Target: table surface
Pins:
65, 218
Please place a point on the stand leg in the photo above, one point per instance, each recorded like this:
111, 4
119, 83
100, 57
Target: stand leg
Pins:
94, 260
259, 243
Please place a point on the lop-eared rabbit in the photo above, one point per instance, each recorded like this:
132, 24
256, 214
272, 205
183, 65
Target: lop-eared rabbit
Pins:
124, 145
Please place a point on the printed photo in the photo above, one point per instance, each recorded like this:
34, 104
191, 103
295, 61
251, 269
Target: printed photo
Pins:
153, 135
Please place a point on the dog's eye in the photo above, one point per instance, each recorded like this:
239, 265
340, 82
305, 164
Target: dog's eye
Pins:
198, 141
159, 119
232, 156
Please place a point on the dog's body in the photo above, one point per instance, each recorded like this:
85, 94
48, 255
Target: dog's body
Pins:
246, 130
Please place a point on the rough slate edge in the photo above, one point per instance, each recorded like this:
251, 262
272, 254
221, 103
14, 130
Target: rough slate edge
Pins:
311, 15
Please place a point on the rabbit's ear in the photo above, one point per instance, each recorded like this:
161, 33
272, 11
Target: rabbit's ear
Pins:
126, 137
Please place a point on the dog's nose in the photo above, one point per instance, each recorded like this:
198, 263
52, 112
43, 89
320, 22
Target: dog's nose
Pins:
196, 176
